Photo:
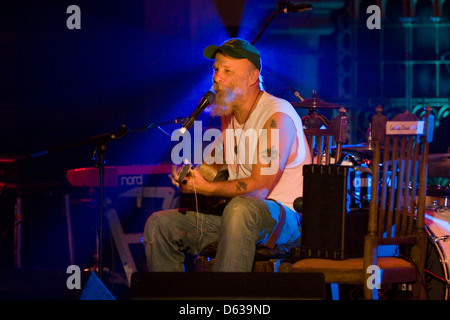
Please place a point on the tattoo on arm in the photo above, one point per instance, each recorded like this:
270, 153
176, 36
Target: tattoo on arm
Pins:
269, 154
241, 186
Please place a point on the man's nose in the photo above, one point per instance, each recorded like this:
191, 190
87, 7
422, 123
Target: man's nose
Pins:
217, 78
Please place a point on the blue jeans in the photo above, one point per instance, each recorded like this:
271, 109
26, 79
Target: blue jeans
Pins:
245, 223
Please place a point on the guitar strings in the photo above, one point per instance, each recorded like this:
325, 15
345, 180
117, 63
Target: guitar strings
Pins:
199, 238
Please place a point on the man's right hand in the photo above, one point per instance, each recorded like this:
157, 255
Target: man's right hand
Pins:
175, 175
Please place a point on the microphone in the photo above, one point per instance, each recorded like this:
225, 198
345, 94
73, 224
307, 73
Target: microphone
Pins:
297, 94
206, 100
297, 7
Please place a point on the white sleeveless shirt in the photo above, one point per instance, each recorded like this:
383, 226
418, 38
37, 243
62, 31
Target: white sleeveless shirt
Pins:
290, 185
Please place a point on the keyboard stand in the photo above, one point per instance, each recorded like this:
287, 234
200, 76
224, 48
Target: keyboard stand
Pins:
123, 240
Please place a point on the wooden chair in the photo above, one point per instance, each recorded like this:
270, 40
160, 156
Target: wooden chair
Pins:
396, 213
321, 134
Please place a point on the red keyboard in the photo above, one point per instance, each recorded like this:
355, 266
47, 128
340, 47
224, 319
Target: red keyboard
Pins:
116, 176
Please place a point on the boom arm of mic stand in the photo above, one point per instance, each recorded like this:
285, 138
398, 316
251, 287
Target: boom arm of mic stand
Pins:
266, 24
104, 138
281, 8
153, 124
96, 140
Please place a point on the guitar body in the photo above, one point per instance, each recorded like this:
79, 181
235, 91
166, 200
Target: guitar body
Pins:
205, 204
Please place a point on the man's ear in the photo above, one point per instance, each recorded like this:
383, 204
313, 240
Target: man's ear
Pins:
254, 76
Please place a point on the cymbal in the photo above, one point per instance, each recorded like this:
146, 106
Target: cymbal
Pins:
315, 102
439, 157
362, 148
439, 165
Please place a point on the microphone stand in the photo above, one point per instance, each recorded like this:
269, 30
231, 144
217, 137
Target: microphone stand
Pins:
100, 143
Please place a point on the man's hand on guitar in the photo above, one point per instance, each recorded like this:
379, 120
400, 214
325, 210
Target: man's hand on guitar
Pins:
175, 175
193, 182
187, 179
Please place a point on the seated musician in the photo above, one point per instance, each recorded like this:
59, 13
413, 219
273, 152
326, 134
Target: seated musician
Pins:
261, 192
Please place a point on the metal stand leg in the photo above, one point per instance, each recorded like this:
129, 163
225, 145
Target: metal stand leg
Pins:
69, 228
18, 234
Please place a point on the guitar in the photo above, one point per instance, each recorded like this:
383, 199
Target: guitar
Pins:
204, 204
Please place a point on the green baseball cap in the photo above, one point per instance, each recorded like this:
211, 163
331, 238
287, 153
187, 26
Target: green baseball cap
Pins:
236, 48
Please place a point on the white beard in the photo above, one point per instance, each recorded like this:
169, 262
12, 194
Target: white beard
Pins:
224, 101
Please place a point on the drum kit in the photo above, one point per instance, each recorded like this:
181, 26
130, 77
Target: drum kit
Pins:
437, 221
315, 103
437, 215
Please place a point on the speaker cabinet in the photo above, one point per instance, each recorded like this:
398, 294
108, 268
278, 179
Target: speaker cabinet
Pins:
331, 228
224, 285
23, 284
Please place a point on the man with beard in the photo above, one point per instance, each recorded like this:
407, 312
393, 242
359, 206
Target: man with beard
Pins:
262, 188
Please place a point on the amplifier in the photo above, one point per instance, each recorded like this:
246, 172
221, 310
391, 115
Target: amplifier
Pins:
331, 227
